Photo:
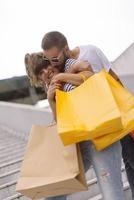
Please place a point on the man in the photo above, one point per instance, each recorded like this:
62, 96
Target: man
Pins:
107, 163
128, 158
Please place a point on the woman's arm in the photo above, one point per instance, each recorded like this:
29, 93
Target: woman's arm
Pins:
53, 108
74, 79
51, 96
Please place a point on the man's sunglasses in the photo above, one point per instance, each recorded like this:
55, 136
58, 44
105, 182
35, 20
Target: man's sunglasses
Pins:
54, 59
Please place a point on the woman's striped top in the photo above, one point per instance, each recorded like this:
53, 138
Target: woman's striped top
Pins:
67, 86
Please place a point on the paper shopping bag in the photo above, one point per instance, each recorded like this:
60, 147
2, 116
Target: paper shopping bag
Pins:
87, 111
49, 168
125, 102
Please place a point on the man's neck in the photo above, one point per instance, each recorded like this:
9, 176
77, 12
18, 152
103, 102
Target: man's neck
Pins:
74, 53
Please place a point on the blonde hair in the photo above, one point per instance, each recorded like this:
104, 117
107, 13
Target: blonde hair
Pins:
34, 63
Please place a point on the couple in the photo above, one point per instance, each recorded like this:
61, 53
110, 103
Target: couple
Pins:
58, 67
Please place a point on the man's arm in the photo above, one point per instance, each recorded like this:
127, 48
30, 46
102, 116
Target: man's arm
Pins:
79, 66
76, 74
74, 79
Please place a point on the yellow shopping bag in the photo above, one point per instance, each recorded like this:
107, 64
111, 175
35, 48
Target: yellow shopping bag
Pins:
125, 101
88, 111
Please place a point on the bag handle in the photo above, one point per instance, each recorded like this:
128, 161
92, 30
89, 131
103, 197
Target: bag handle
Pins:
52, 124
83, 77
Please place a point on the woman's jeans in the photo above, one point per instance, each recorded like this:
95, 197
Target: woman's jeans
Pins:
128, 157
107, 166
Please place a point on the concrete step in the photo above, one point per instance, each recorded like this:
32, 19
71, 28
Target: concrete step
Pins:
127, 194
9, 176
13, 197
7, 192
11, 147
16, 197
11, 165
12, 151
11, 157
7, 143
8, 189
94, 191
14, 157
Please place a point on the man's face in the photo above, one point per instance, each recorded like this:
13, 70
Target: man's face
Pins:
56, 57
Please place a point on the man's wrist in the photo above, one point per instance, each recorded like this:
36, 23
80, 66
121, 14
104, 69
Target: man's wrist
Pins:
62, 77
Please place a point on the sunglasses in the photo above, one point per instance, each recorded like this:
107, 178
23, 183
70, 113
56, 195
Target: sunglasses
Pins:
54, 59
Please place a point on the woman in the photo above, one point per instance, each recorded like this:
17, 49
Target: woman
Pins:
42, 74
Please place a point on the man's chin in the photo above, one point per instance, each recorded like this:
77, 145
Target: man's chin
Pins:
61, 66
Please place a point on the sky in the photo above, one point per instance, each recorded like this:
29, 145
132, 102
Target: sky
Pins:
108, 24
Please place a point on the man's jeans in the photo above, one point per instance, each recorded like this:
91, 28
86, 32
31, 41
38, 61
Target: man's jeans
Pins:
107, 166
128, 157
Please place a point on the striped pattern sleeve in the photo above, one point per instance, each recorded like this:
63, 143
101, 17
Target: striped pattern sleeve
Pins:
69, 62
67, 86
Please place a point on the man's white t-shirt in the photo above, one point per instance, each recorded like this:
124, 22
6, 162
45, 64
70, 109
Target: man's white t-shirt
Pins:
94, 56
91, 54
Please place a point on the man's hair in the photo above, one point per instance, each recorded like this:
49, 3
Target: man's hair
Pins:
53, 39
34, 63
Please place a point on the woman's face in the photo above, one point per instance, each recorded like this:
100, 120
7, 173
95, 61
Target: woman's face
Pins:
46, 74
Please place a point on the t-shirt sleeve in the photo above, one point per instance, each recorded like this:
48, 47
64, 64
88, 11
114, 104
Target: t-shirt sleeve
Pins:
103, 59
68, 63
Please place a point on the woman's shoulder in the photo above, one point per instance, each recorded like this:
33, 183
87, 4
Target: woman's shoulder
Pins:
69, 62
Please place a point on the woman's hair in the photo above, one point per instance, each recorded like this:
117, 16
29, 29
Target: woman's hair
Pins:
34, 63
53, 39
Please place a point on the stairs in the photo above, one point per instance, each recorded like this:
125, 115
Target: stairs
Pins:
11, 155
12, 149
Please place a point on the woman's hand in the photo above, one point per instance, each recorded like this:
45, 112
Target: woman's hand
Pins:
59, 78
51, 96
51, 90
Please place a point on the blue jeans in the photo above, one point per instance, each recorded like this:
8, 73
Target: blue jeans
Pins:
107, 166
128, 157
